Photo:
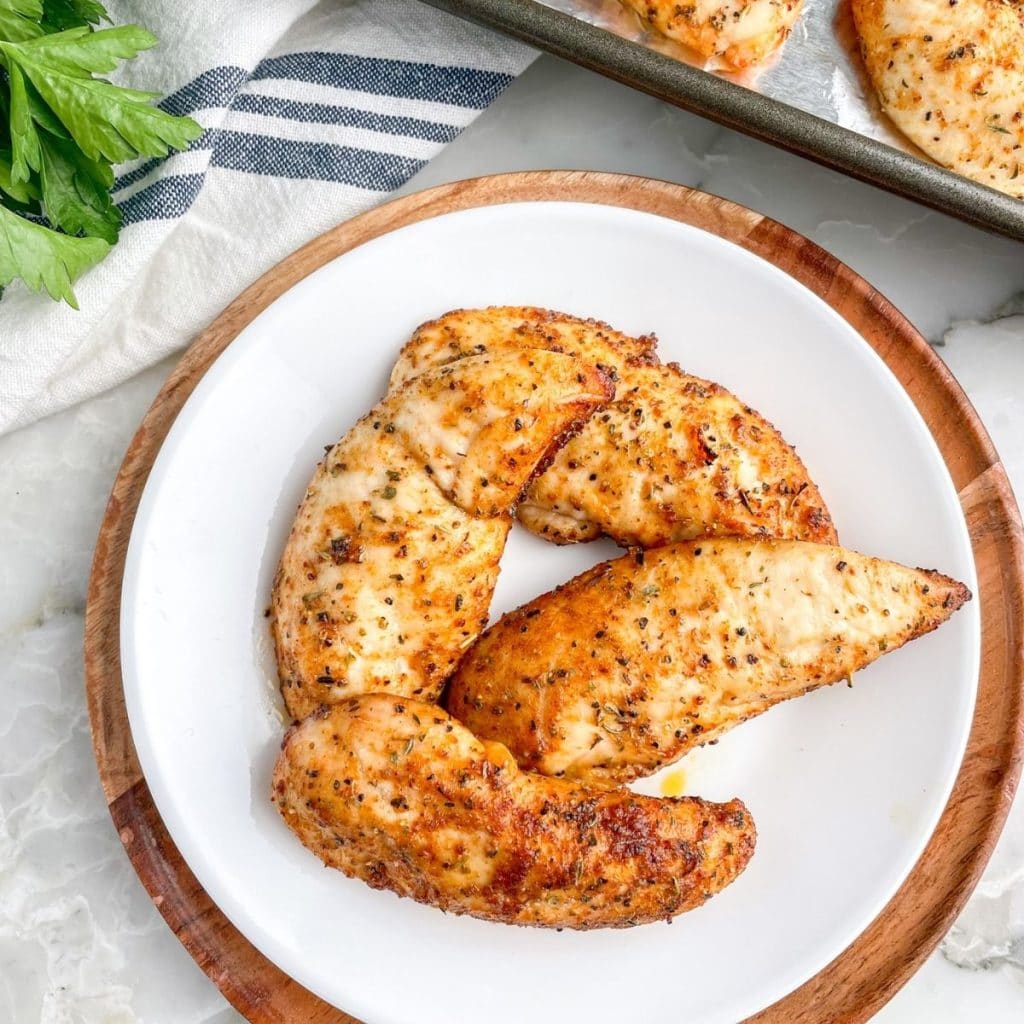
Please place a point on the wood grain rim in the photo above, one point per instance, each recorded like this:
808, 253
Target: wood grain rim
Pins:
873, 968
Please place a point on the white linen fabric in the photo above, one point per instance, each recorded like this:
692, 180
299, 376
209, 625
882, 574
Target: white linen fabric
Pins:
313, 112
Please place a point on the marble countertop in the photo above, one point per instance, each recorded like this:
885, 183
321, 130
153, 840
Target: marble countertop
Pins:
80, 941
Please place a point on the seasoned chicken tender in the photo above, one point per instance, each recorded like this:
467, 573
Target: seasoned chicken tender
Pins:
630, 665
950, 73
471, 332
732, 35
388, 572
673, 457
396, 793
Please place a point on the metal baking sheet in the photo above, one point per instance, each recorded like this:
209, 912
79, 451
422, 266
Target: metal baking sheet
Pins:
813, 99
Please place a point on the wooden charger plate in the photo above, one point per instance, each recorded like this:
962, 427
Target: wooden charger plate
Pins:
870, 971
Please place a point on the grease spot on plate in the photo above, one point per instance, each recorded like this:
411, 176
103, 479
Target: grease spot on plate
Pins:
674, 783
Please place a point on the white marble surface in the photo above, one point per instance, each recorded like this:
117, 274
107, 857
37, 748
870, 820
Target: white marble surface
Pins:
79, 941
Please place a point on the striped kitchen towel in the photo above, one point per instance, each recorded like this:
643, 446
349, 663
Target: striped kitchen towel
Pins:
313, 112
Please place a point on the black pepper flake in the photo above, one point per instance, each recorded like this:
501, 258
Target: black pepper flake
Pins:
642, 622
840, 566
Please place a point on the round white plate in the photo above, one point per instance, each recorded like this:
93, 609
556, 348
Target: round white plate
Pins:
845, 785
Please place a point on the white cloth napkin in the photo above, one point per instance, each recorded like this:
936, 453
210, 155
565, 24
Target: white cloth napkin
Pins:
314, 112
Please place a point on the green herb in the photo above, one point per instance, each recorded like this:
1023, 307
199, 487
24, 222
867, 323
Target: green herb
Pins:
62, 128
43, 258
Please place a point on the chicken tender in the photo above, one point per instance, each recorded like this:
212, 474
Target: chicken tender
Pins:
732, 35
396, 793
950, 73
388, 573
630, 665
673, 457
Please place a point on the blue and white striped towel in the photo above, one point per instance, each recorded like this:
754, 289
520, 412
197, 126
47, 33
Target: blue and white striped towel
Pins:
314, 112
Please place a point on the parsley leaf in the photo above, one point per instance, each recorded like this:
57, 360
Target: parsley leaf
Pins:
19, 19
62, 127
107, 122
24, 141
76, 190
23, 192
44, 258
61, 14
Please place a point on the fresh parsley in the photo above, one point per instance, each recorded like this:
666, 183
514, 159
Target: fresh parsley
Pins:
62, 128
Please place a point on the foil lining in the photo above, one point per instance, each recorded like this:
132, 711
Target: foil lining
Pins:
818, 69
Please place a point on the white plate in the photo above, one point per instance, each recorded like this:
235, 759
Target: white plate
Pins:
845, 785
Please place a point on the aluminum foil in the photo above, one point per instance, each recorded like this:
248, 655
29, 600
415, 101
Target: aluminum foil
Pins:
818, 69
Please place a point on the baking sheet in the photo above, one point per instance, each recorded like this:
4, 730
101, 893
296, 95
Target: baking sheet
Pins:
813, 99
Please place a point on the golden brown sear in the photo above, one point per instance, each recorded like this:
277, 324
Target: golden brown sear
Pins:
630, 665
671, 458
393, 791
388, 572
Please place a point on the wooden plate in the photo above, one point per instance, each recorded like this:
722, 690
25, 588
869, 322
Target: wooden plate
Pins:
886, 954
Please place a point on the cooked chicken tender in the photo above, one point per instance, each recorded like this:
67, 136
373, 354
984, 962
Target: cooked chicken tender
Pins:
950, 73
732, 35
673, 457
396, 793
388, 572
630, 665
